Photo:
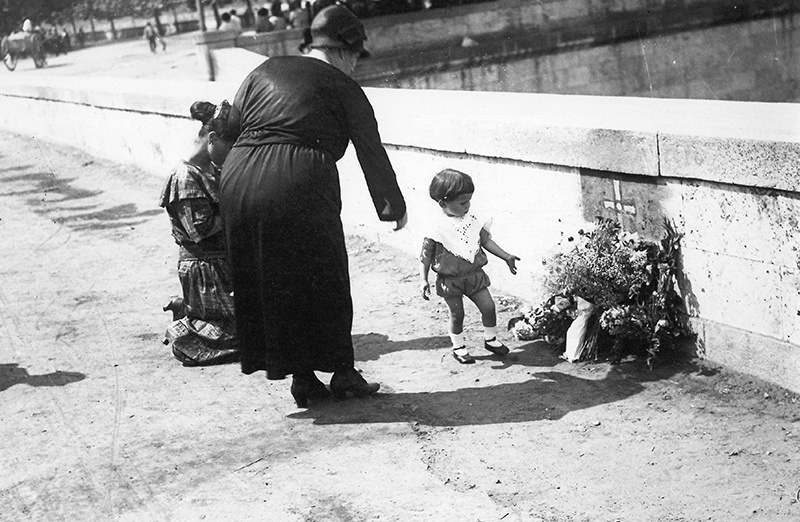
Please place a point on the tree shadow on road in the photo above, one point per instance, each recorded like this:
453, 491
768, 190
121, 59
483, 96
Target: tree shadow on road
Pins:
11, 374
53, 196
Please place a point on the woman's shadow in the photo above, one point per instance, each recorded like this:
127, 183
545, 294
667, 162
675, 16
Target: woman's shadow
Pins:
11, 374
550, 389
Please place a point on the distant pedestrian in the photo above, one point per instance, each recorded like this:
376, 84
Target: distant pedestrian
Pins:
236, 21
454, 248
263, 25
66, 43
299, 17
228, 25
276, 17
149, 34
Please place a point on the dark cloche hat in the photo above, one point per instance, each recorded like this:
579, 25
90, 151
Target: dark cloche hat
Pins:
337, 26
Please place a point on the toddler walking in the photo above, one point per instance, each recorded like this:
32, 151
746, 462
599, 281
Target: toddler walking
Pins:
454, 248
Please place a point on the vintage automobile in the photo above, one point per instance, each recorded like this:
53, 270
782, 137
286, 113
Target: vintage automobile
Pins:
20, 45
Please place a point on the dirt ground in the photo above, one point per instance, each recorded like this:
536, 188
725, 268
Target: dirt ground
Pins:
101, 423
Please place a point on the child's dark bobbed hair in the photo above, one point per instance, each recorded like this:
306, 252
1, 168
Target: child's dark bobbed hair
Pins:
448, 184
213, 117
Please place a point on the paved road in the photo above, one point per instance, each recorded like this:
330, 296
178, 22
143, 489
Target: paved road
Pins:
129, 59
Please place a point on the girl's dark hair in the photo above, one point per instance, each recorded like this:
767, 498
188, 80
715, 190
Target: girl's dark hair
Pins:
448, 184
213, 117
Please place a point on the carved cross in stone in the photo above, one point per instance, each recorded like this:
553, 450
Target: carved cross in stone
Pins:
618, 205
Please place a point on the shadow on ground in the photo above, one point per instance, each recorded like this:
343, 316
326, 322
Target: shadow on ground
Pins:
548, 393
11, 374
55, 197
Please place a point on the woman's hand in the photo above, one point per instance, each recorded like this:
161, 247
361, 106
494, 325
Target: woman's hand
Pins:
401, 222
511, 261
425, 288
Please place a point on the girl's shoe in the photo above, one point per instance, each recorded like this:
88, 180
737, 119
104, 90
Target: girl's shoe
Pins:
192, 350
351, 381
500, 350
175, 306
305, 386
462, 355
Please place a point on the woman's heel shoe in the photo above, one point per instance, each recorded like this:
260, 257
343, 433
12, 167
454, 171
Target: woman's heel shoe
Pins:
352, 381
300, 396
175, 306
306, 386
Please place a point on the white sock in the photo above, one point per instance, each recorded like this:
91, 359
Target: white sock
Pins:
457, 340
490, 336
489, 333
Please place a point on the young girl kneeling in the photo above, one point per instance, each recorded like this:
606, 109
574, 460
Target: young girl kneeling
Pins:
454, 249
203, 331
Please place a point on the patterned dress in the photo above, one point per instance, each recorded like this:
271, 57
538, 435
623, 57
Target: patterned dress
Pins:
206, 334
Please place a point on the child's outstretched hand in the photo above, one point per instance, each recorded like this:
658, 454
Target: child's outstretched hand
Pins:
425, 288
512, 263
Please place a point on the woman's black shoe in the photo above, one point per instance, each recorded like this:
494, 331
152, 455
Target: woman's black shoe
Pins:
306, 386
351, 381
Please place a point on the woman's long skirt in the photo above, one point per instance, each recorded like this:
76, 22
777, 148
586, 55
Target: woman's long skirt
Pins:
281, 205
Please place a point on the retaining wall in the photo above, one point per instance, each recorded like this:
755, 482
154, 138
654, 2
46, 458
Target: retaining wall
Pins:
428, 42
544, 166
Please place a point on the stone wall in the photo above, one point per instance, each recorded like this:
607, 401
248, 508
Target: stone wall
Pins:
419, 43
756, 60
544, 166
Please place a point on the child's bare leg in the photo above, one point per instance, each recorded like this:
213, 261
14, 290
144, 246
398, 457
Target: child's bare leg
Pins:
485, 303
456, 306
460, 352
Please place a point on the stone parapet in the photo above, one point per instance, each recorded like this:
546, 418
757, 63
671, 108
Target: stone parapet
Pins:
544, 167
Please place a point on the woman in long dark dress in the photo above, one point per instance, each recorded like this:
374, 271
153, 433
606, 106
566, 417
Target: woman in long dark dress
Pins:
281, 204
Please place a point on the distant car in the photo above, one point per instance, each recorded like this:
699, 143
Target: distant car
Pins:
21, 45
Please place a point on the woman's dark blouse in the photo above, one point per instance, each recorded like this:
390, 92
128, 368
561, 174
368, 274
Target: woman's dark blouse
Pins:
305, 101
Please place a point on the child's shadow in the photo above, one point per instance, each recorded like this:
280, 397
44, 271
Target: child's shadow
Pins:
371, 346
11, 374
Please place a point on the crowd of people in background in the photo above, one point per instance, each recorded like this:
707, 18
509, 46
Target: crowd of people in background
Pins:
297, 14
276, 15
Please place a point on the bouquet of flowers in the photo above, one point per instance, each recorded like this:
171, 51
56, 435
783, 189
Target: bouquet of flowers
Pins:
548, 321
604, 267
629, 282
627, 321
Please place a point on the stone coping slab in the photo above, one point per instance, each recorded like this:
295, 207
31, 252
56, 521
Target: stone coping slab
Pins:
745, 143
